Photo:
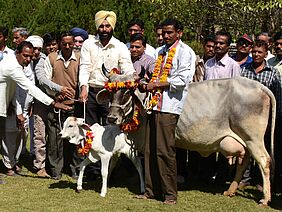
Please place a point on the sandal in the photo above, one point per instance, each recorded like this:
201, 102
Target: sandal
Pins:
143, 196
170, 202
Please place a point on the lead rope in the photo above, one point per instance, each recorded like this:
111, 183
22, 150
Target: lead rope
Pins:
59, 112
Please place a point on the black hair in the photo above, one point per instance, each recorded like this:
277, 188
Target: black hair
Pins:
261, 43
138, 36
209, 38
65, 34
49, 37
175, 23
136, 21
277, 36
227, 34
22, 45
4, 31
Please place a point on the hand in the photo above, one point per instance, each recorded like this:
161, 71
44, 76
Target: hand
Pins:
59, 98
151, 86
66, 92
62, 106
20, 121
83, 94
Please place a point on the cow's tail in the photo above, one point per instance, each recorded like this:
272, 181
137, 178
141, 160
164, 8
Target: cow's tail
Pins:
273, 119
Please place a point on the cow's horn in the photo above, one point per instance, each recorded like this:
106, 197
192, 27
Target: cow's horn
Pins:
105, 72
142, 73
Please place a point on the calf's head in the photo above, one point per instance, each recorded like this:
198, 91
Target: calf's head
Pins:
73, 130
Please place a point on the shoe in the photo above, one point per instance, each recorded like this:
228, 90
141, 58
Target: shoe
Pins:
243, 185
169, 202
18, 169
56, 176
74, 176
10, 172
42, 173
143, 196
2, 182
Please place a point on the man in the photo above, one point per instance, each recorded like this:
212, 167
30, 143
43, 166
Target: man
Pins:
174, 64
276, 62
264, 36
4, 49
221, 65
40, 111
19, 35
105, 49
159, 33
11, 73
270, 77
62, 68
208, 48
50, 43
139, 57
136, 25
80, 35
244, 48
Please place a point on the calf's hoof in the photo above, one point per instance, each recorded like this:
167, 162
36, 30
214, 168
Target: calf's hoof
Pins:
263, 203
78, 190
103, 194
228, 193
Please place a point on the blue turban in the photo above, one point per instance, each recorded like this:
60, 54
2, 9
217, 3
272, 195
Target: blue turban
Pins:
76, 31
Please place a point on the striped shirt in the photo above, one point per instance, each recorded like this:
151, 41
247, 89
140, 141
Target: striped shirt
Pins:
269, 77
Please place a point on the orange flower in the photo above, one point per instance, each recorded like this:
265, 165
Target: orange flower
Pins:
88, 143
133, 123
163, 78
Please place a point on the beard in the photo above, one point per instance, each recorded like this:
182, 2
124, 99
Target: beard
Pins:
104, 36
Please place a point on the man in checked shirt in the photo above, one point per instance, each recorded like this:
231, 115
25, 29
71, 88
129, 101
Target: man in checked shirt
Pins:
269, 76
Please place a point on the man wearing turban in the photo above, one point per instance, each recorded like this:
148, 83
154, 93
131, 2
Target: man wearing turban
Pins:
97, 50
80, 35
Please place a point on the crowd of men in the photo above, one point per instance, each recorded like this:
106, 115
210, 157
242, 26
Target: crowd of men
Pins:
68, 70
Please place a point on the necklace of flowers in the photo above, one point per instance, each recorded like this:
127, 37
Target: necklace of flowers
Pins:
133, 123
114, 86
163, 78
83, 150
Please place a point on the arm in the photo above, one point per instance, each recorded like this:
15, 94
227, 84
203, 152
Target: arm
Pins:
124, 62
84, 70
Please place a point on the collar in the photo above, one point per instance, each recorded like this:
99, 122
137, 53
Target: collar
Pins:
60, 56
223, 60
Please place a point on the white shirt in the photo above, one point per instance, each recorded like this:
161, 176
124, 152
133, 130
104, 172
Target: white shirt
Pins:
11, 74
94, 54
181, 73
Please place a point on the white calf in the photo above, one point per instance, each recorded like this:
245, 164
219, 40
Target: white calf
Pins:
107, 141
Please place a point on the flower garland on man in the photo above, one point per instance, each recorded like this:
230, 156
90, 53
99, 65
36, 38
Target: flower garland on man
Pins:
174, 69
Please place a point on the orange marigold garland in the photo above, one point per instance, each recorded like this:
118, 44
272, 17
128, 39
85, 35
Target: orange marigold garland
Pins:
133, 124
114, 86
163, 78
88, 143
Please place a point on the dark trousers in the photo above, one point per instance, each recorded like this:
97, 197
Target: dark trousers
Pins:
95, 113
57, 148
160, 157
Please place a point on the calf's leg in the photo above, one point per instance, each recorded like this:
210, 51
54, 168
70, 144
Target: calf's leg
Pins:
81, 172
105, 159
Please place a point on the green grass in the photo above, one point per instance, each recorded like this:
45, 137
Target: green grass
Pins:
29, 193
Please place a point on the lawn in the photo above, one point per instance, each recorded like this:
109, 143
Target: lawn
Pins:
30, 193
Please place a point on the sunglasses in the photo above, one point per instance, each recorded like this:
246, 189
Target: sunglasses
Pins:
243, 42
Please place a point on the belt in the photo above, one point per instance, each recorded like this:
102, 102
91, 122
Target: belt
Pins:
95, 89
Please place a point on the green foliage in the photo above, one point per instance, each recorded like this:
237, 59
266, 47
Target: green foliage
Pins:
199, 17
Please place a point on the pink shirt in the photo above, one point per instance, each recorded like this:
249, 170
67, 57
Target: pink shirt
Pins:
224, 68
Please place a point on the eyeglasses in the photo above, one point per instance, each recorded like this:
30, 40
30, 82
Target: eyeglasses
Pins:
243, 42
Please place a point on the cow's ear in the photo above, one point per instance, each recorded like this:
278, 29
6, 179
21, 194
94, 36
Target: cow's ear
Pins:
80, 121
85, 126
103, 96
